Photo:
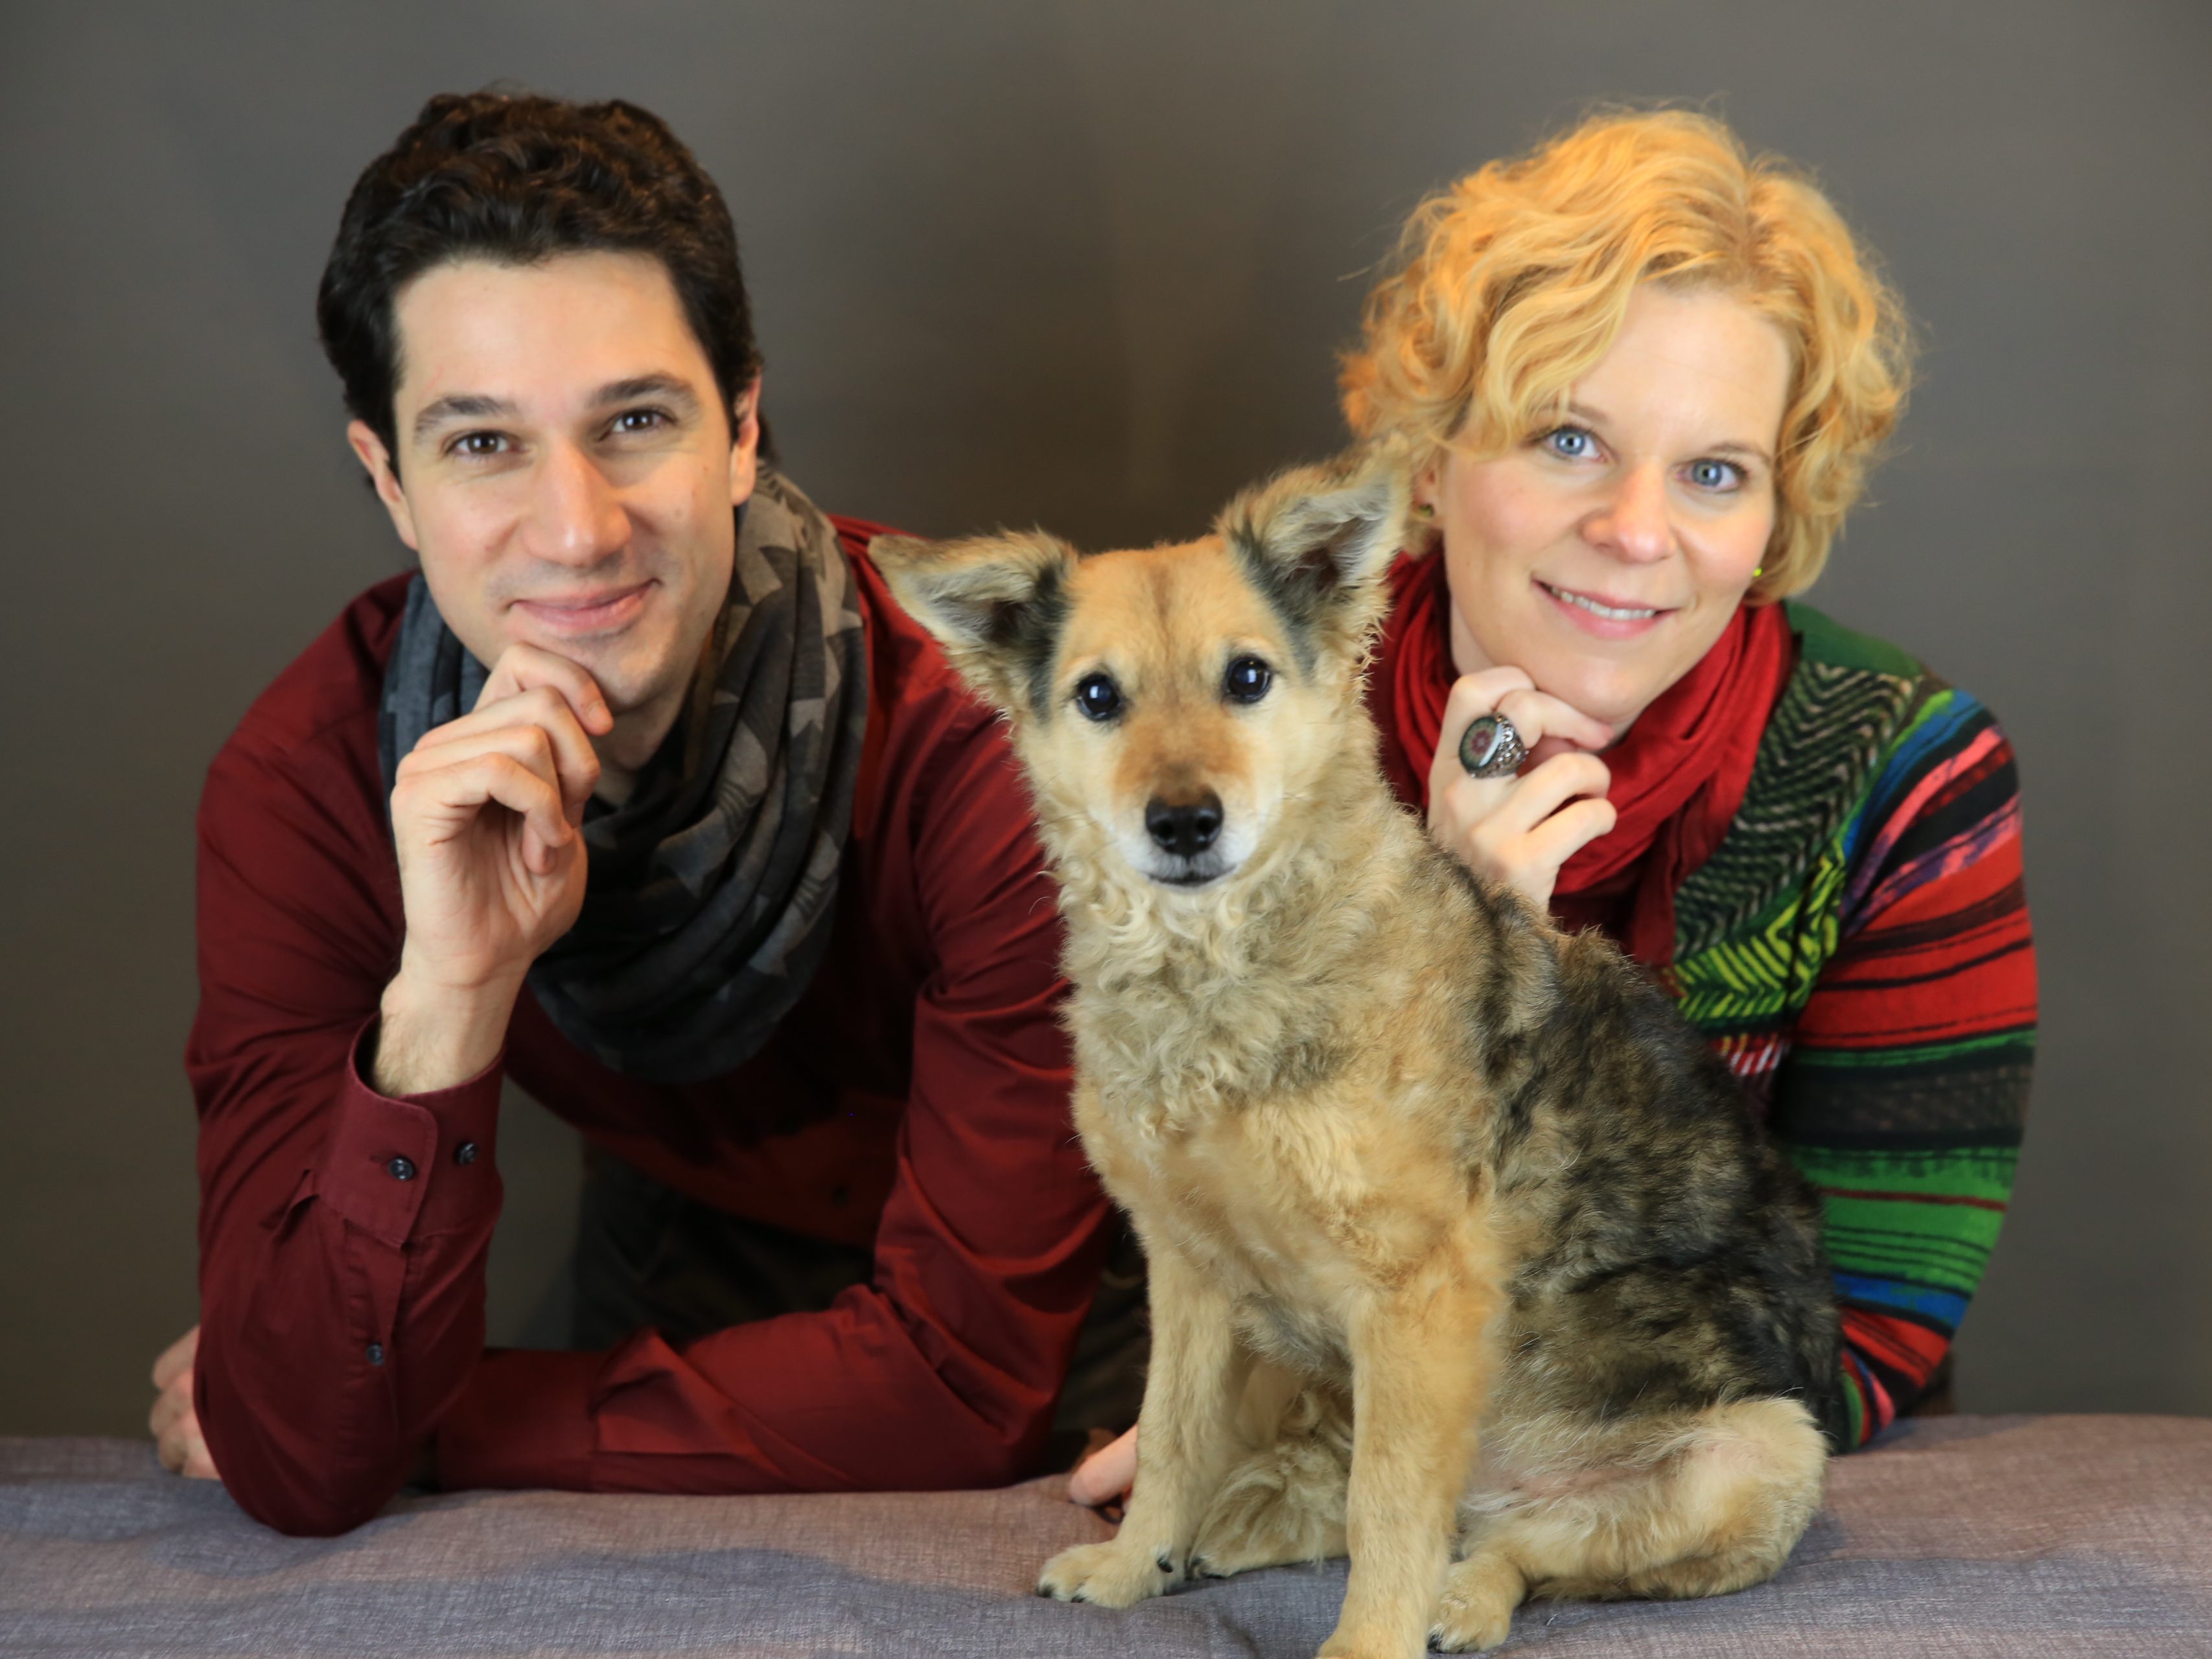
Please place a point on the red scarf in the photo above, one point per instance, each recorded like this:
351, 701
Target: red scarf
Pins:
1678, 775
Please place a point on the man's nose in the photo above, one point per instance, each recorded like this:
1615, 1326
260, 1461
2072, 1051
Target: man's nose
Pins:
576, 514
1633, 524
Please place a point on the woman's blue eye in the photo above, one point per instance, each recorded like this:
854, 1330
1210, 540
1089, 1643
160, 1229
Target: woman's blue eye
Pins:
1247, 680
1715, 475
1097, 697
1571, 441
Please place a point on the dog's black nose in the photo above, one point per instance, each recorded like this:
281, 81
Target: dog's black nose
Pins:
1188, 828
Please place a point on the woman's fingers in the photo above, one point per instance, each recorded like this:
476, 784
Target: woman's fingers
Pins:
1106, 1474
1471, 695
1544, 789
1537, 715
1566, 832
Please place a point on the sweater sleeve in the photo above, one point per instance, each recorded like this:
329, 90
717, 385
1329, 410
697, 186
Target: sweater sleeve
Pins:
945, 1369
1905, 1088
342, 1233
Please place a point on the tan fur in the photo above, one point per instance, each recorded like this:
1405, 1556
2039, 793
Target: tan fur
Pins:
1273, 1081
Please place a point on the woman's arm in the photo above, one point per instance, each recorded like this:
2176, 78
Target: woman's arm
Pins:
1905, 1087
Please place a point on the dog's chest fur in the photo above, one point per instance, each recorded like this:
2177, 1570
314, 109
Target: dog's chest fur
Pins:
1309, 1135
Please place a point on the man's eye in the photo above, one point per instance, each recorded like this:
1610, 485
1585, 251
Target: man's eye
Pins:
479, 443
641, 420
1097, 697
1247, 680
1570, 443
1715, 475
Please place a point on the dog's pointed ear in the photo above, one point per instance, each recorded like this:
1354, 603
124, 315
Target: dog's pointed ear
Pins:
996, 603
1317, 541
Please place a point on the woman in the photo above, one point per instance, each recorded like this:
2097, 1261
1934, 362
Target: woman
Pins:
1641, 375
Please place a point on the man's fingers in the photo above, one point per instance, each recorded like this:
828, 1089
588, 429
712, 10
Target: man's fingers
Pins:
447, 796
528, 668
183, 1451
172, 1404
177, 1357
198, 1464
1106, 1474
573, 763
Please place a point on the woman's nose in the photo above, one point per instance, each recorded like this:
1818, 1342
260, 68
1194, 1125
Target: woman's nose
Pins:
576, 515
1633, 523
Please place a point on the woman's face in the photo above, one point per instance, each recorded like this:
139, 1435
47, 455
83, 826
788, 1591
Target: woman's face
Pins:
1604, 556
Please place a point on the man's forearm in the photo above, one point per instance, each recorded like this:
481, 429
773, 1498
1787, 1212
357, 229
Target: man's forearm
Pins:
429, 1038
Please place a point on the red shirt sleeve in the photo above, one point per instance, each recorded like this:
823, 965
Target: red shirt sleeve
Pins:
945, 1371
341, 1233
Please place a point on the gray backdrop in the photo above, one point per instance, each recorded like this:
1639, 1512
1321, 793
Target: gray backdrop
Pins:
1086, 265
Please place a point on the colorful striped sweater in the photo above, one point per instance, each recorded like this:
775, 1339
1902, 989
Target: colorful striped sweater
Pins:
1858, 949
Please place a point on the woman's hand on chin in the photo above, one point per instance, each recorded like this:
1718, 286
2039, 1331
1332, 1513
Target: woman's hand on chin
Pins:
1518, 831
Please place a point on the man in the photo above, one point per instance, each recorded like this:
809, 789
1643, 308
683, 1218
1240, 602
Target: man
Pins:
645, 794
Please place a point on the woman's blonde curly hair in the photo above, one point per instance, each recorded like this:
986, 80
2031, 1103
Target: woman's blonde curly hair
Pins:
1511, 284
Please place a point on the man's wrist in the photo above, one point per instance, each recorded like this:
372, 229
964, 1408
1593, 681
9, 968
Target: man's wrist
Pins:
430, 1037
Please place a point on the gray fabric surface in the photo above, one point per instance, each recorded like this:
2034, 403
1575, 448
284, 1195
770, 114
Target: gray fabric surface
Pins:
1960, 1536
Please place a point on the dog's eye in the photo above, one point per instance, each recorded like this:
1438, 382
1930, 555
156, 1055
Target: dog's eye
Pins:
1096, 695
1247, 680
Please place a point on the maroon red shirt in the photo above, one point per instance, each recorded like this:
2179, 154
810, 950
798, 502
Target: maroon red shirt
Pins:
915, 1098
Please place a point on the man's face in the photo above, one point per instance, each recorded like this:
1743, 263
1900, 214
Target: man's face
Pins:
565, 470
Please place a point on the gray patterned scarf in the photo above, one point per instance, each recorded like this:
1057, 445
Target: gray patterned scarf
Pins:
711, 888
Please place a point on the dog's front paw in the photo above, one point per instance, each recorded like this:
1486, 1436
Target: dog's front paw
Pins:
1477, 1610
1111, 1574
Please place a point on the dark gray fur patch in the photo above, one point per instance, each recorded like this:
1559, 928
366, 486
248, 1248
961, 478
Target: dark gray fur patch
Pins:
1297, 590
1026, 633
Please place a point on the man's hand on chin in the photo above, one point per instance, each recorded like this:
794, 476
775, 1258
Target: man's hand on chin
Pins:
176, 1425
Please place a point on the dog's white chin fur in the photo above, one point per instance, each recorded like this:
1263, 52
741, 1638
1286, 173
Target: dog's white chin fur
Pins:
1188, 885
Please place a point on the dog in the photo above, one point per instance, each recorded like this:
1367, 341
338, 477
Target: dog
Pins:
1467, 1255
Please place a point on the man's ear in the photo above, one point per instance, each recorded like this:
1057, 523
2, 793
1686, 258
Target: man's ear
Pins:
996, 603
744, 443
376, 460
1316, 541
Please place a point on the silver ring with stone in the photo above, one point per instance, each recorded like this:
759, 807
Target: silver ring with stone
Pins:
1491, 748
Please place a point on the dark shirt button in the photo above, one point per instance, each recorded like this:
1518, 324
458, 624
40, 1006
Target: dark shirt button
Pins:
465, 1152
376, 1353
401, 1169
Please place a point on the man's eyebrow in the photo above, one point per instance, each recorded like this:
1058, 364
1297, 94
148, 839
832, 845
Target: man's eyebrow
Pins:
673, 388
458, 406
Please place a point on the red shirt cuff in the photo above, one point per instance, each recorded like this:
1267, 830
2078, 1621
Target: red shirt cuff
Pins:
402, 1168
524, 1420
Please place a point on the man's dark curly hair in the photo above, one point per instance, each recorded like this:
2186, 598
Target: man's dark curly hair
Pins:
518, 177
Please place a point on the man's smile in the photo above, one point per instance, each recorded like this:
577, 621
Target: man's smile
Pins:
600, 611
